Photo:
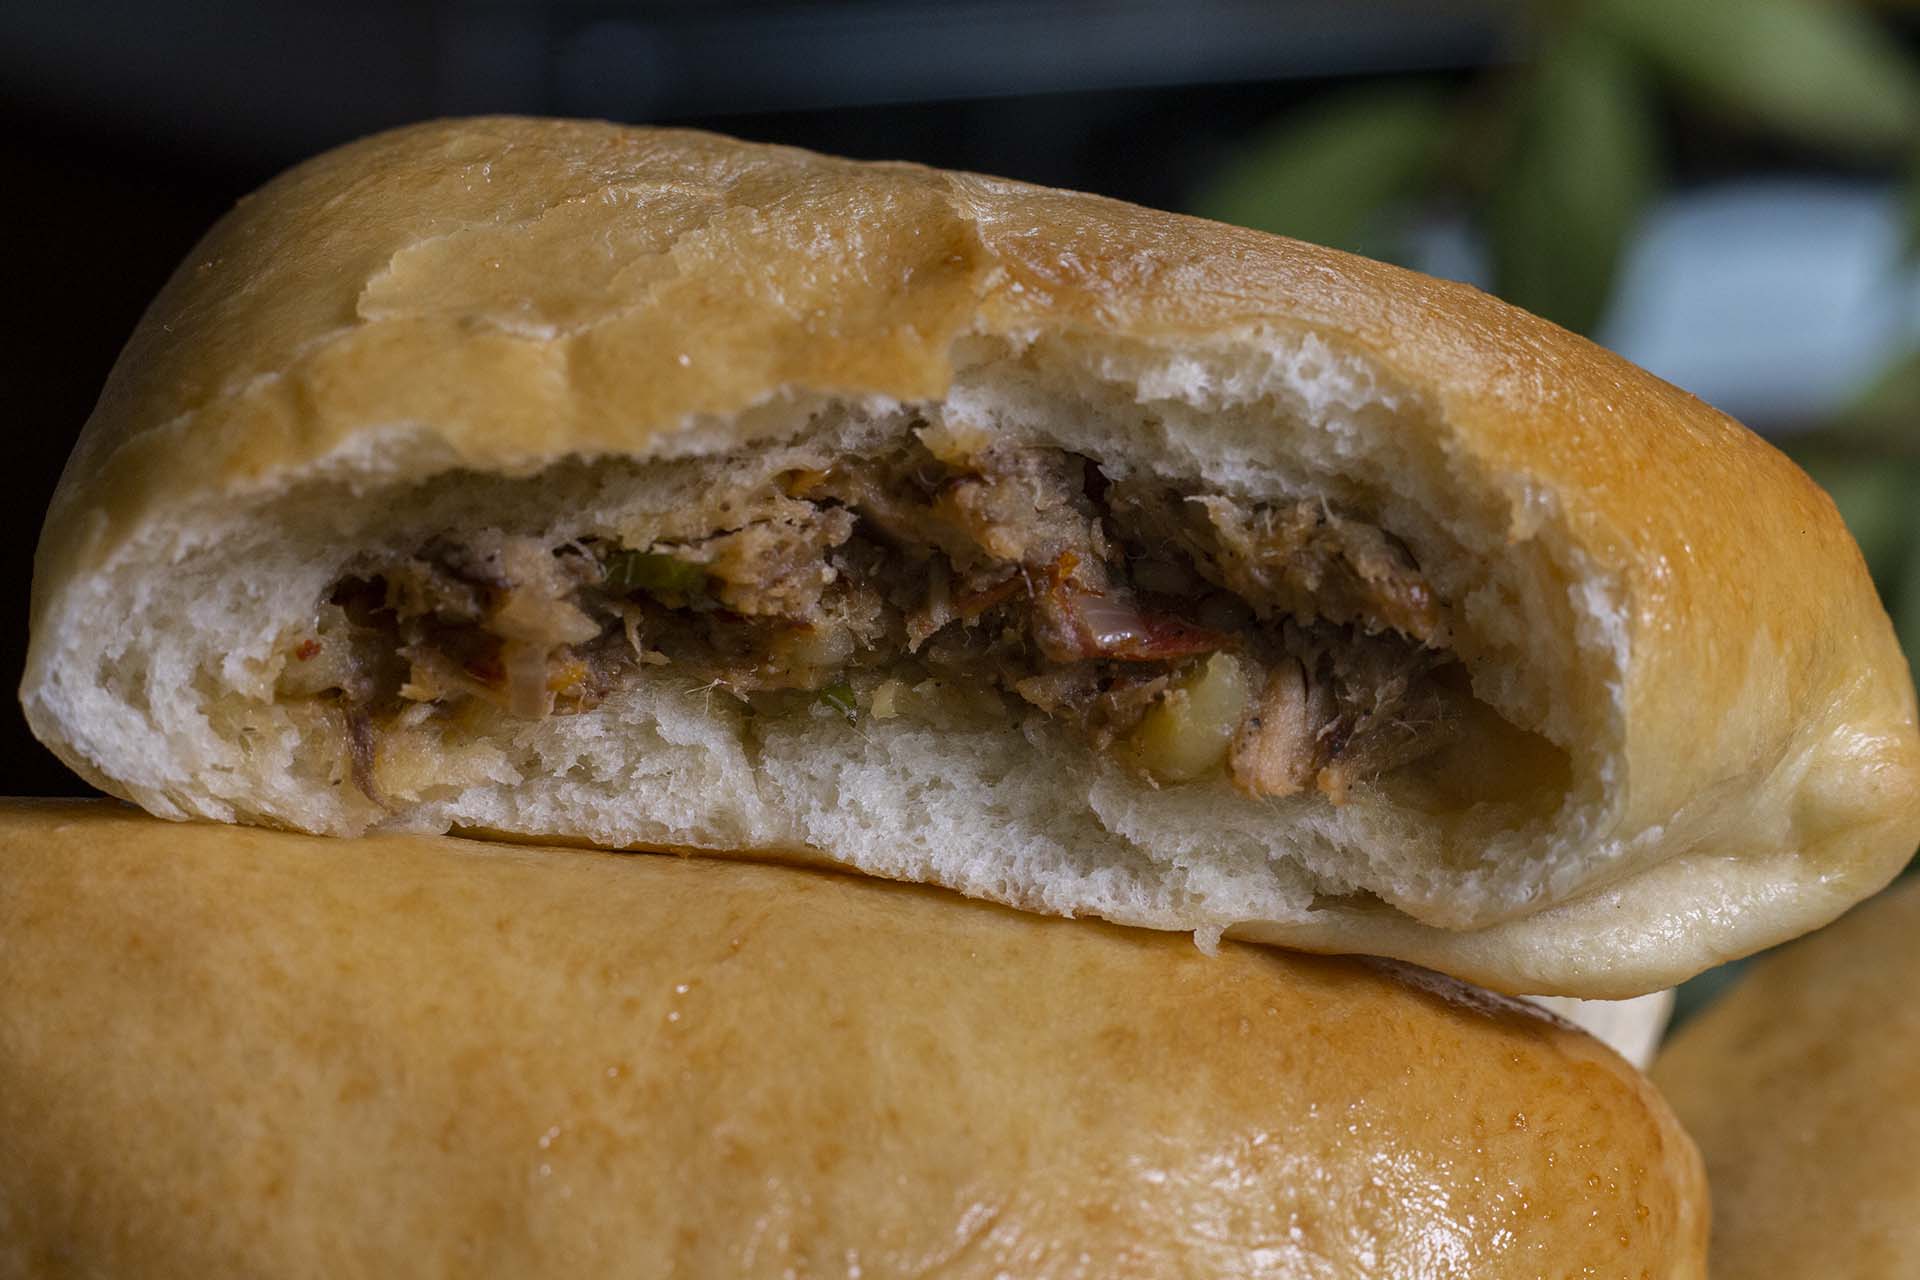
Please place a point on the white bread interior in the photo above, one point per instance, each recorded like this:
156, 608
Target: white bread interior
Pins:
179, 695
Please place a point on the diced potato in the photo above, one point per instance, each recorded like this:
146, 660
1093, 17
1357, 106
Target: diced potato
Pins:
1185, 735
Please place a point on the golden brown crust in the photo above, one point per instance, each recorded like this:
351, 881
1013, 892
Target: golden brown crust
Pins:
1803, 1089
231, 1051
1756, 761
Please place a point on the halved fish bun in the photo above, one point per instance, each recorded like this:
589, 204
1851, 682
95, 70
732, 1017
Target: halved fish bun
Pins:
646, 488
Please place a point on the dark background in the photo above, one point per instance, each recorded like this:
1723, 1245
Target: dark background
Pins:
131, 125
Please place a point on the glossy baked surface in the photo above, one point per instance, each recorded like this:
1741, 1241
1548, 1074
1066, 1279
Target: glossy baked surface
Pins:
229, 1051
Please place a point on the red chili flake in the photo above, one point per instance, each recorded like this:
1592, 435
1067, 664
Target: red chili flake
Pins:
308, 649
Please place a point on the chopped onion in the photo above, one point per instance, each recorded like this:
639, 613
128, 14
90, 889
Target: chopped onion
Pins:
1112, 626
1186, 734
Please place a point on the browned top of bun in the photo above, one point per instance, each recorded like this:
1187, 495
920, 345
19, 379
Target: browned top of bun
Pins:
230, 1051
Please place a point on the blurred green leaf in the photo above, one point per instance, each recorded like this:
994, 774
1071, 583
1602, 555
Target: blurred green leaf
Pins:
1886, 411
1573, 182
1326, 173
1819, 70
1910, 210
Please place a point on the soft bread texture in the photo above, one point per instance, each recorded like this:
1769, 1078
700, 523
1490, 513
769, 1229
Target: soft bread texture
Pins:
227, 1051
545, 325
1803, 1089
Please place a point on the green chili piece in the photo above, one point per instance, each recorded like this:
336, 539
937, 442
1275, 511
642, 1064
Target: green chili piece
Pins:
839, 696
653, 573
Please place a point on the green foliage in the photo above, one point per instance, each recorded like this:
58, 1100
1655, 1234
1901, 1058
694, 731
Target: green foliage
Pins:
1885, 414
1813, 69
1910, 209
1575, 179
1327, 175
1560, 158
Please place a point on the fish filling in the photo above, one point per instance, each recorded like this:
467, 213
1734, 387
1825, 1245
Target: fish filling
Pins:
1287, 646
